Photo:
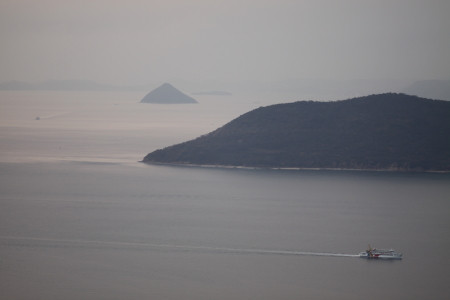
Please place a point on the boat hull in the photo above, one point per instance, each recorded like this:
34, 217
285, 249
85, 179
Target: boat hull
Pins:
374, 254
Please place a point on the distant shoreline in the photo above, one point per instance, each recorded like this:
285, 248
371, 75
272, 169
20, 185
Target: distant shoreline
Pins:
213, 93
292, 169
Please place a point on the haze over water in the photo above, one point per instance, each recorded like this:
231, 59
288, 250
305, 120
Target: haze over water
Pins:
81, 218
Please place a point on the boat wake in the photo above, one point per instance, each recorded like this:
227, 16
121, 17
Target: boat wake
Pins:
262, 251
182, 248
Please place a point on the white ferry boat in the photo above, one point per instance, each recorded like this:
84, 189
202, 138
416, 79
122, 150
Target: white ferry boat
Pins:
380, 253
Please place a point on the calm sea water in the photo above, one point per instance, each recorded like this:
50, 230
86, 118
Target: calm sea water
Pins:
80, 218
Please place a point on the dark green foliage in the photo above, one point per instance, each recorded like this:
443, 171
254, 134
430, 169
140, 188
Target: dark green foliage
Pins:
387, 131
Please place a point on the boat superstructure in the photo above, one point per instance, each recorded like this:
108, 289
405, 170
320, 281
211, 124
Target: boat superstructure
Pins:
380, 253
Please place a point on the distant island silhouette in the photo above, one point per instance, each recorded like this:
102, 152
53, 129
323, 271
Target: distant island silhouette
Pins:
69, 85
435, 89
390, 131
167, 94
60, 85
213, 93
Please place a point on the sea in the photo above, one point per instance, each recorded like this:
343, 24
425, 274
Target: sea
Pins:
82, 218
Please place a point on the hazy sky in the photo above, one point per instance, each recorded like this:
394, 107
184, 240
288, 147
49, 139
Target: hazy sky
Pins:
140, 42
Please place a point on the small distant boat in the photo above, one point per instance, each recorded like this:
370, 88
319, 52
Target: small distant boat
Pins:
380, 253
37, 118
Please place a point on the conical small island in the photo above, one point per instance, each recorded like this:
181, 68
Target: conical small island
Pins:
167, 94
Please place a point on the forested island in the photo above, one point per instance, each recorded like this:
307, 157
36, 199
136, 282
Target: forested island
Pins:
389, 131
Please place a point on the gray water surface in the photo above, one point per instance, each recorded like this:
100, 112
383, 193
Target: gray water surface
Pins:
80, 218
90, 231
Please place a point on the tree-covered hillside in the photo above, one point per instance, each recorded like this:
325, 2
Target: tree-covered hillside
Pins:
383, 132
